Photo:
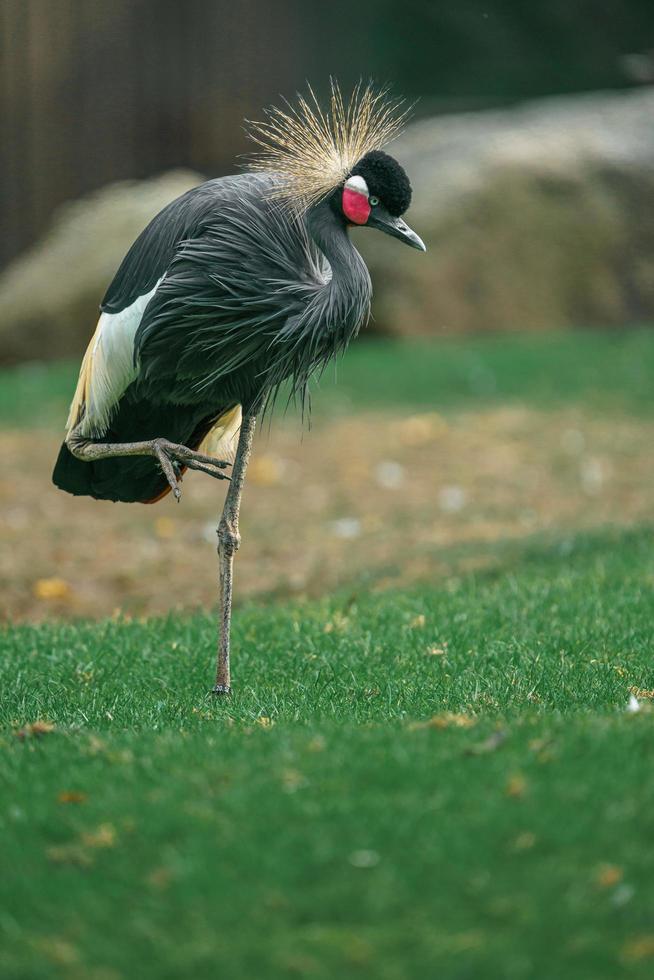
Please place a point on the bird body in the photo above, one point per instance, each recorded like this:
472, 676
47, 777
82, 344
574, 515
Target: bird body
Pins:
239, 286
221, 298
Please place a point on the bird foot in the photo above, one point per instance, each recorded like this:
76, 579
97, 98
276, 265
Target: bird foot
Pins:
172, 456
221, 689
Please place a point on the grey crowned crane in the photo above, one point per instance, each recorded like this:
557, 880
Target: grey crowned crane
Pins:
238, 286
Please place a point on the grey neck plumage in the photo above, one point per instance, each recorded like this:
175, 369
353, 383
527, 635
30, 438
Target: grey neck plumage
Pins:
333, 309
343, 303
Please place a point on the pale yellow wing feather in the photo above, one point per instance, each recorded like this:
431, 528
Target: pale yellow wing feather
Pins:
222, 440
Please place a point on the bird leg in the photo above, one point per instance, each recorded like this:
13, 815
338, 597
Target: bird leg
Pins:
165, 452
229, 541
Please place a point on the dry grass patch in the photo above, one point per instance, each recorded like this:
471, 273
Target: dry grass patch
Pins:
377, 494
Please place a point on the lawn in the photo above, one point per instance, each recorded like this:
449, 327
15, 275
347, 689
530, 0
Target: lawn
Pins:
442, 780
612, 370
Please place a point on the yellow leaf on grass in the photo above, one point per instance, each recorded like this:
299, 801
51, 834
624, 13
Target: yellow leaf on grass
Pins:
642, 693
103, 836
164, 527
71, 796
266, 470
265, 722
339, 623
69, 854
449, 719
516, 785
51, 588
639, 948
35, 729
609, 875
417, 430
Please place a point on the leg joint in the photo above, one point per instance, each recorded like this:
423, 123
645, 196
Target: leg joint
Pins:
229, 539
77, 444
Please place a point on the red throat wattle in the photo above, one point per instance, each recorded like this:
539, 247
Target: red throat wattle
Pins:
355, 206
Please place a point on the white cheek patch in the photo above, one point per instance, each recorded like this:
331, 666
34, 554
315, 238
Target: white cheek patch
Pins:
358, 185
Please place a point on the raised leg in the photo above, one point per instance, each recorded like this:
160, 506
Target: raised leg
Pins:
229, 541
165, 452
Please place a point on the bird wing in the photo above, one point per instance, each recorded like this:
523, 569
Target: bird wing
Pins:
219, 328
109, 365
107, 369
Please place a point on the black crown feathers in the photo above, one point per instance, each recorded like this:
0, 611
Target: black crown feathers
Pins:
386, 180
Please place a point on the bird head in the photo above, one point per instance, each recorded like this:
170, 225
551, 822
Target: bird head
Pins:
376, 194
336, 153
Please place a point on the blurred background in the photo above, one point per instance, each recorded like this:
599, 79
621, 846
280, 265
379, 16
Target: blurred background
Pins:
531, 152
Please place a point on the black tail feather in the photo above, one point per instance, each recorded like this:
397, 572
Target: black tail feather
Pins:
132, 479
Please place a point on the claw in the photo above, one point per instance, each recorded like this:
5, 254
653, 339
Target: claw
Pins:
202, 468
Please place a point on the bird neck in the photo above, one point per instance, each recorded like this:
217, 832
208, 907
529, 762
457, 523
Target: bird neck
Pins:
345, 297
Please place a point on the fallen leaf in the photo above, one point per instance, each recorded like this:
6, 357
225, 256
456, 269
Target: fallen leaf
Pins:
266, 470
449, 719
638, 948
51, 588
164, 528
338, 623
71, 796
264, 722
69, 854
641, 693
417, 430
35, 730
418, 622
104, 836
609, 875
516, 785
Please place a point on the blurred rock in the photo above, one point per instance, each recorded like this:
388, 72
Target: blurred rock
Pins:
49, 297
535, 217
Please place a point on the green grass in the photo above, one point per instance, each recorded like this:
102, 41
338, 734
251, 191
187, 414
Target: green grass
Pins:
609, 371
343, 839
316, 824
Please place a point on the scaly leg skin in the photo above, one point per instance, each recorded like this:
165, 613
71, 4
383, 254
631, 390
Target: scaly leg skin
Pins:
165, 452
229, 541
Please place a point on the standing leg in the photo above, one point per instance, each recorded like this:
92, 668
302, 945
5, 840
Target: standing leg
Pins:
229, 541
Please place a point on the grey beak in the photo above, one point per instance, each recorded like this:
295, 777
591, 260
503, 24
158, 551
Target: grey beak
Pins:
397, 228
409, 236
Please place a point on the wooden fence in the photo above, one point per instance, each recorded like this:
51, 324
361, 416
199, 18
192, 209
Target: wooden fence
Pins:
98, 90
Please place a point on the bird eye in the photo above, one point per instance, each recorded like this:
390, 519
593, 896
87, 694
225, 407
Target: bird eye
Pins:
373, 200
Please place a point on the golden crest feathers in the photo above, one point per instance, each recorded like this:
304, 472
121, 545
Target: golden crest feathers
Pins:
312, 150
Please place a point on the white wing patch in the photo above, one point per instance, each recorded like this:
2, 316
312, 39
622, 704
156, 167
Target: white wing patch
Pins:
107, 369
